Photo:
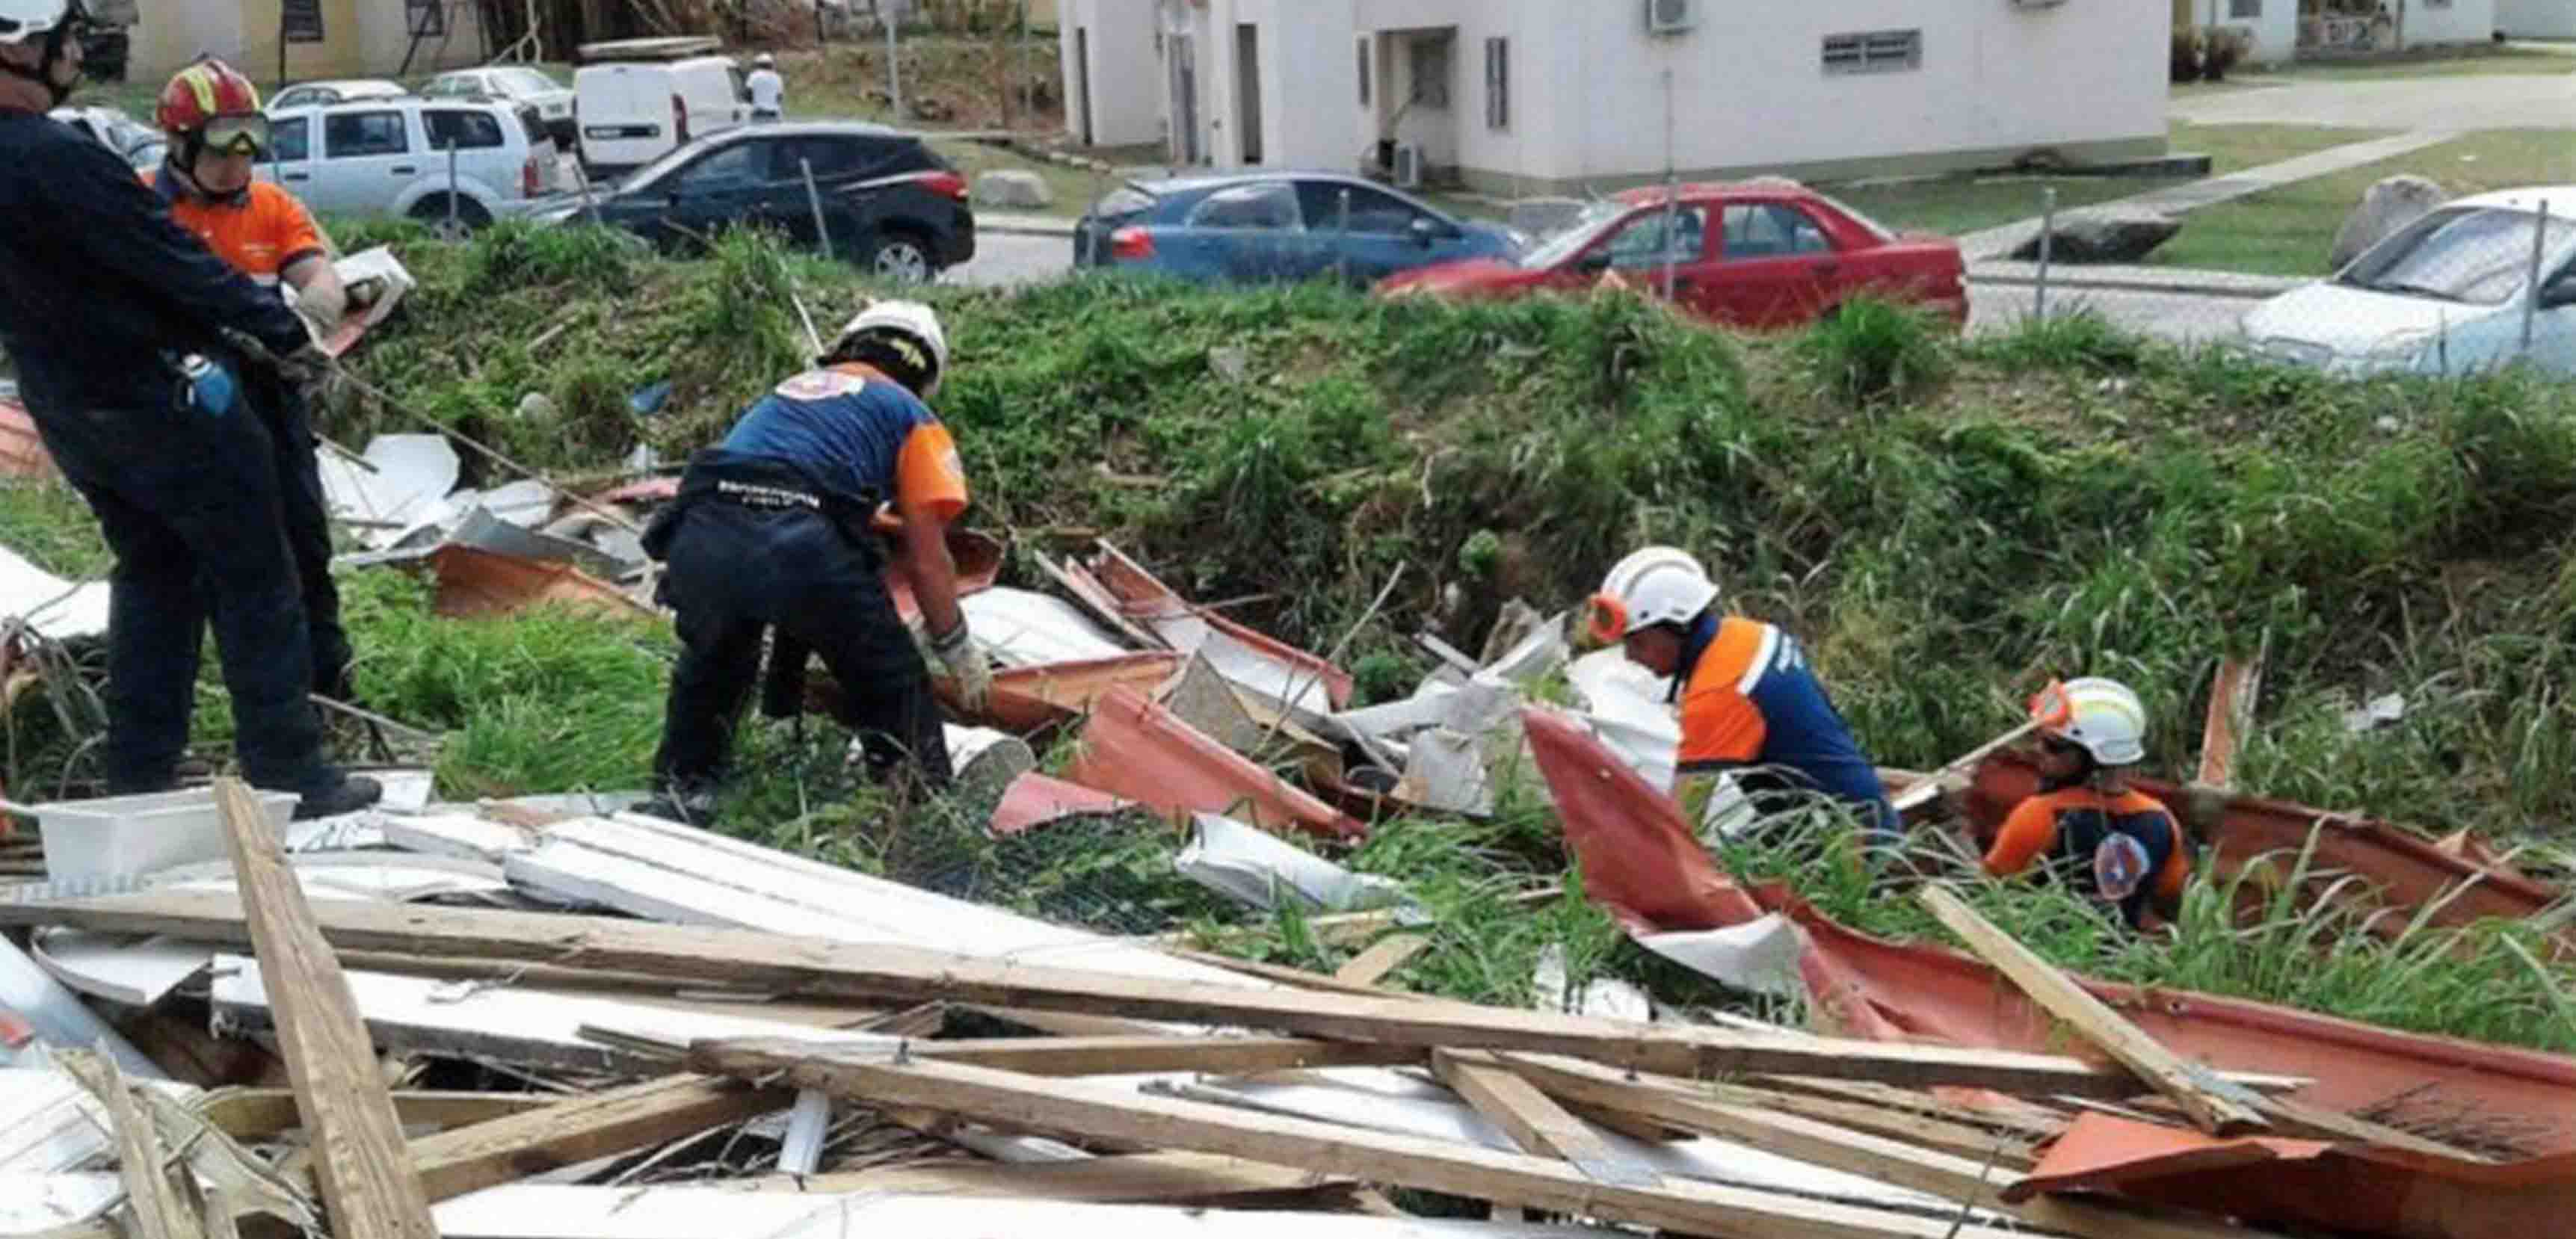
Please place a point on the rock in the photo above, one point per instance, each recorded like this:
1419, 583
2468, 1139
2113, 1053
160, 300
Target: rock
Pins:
1013, 189
1541, 216
2385, 207
1230, 363
2104, 234
537, 407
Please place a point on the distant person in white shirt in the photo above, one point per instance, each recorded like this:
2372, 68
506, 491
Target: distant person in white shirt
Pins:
768, 90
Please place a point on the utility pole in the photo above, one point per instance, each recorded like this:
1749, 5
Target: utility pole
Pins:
894, 57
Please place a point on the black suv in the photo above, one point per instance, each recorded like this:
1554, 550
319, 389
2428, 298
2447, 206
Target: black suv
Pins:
888, 203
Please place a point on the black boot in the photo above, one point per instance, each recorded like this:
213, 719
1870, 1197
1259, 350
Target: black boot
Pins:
340, 793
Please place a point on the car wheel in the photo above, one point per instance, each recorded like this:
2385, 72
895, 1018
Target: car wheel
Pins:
446, 226
898, 258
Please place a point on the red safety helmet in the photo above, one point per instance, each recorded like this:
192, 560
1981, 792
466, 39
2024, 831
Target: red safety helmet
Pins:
213, 100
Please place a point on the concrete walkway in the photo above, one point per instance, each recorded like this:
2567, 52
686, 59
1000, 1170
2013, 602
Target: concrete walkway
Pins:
1013, 223
2182, 281
1995, 243
2469, 101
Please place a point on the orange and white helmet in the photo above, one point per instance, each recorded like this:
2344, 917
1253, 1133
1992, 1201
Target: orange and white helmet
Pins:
1658, 585
2100, 716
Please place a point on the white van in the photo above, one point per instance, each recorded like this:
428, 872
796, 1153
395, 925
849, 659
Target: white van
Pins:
632, 111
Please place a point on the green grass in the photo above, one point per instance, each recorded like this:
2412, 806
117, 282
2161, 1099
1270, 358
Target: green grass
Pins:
1955, 205
2288, 231
1939, 544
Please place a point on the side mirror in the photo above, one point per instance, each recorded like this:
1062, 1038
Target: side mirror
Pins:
1426, 231
2558, 293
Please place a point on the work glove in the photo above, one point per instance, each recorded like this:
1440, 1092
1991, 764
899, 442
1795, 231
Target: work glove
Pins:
966, 663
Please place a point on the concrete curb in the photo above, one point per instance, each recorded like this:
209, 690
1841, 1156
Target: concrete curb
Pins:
2176, 287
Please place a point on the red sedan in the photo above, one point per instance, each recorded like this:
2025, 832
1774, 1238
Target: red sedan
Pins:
1760, 255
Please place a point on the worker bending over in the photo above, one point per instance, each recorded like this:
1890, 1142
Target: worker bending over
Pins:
2107, 839
217, 135
1750, 705
773, 528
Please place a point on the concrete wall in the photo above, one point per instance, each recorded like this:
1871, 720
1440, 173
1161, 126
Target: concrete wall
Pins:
2460, 21
2537, 19
1127, 79
1750, 93
362, 38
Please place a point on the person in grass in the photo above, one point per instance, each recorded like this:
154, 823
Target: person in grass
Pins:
1750, 706
777, 529
2103, 837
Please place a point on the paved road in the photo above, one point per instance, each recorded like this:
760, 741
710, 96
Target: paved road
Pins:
1007, 260
2446, 103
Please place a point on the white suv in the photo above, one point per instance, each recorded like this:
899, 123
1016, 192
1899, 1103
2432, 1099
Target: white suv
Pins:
391, 157
515, 84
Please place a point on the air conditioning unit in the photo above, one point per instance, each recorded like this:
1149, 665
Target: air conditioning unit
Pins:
1671, 16
1408, 166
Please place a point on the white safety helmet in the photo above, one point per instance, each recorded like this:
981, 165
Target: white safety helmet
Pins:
764, 61
1658, 585
904, 320
2100, 716
21, 20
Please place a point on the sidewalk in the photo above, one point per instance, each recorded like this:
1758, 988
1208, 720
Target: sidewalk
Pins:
1016, 224
2185, 281
1994, 243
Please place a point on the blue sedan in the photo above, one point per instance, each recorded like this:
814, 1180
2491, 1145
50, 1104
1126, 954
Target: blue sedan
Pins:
1277, 226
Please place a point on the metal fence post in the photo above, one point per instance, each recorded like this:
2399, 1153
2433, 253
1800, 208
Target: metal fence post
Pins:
894, 59
2531, 287
1342, 242
2047, 234
814, 199
452, 186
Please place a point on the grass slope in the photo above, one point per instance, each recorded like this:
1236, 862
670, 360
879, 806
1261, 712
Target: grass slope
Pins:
1944, 524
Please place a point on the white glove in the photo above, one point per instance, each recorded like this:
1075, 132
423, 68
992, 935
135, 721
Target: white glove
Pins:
968, 665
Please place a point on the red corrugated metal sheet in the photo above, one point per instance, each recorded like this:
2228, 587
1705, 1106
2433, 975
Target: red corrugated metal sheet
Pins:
1137, 749
1641, 862
1033, 800
2409, 872
22, 450
2357, 1190
1142, 598
473, 583
1027, 699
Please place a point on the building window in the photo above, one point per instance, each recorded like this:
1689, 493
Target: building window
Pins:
1878, 51
2244, 10
1362, 49
1498, 83
1430, 59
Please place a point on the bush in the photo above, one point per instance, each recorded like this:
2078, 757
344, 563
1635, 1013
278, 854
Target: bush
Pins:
1871, 350
2224, 49
2186, 55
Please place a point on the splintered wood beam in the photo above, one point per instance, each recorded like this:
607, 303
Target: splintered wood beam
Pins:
151, 1201
1968, 1180
1533, 1120
360, 1163
2214, 1106
505, 1150
1088, 1056
1371, 966
258, 1115
1097, 1110
1130, 1178
884, 971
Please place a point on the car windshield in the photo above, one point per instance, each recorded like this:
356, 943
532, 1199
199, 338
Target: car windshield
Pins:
1570, 241
2477, 255
526, 81
1876, 229
644, 177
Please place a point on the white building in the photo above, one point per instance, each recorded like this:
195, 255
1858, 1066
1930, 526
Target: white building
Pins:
1554, 95
2536, 19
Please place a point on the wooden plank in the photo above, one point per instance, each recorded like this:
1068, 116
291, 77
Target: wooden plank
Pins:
259, 1115
1970, 1181
2213, 1106
361, 1166
886, 971
505, 1150
1687, 1206
2024, 1121
2231, 714
1535, 1122
1371, 966
1944, 1134
1134, 1178
1323, 982
1929, 788
152, 1202
1083, 1056
1069, 1024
